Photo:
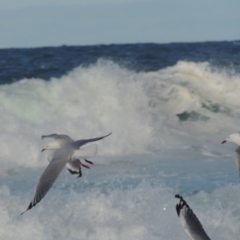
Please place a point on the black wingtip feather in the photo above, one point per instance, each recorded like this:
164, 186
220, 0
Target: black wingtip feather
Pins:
181, 204
75, 172
31, 205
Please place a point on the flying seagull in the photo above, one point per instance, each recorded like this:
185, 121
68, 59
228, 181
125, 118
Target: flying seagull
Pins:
68, 153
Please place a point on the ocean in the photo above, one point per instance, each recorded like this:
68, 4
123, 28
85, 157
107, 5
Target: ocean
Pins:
168, 106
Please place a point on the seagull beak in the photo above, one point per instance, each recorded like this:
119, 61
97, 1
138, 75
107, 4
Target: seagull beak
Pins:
43, 149
224, 141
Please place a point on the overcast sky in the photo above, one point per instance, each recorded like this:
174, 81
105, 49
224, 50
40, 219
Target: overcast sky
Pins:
30, 23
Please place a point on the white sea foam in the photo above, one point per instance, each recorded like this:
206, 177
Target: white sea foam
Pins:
167, 128
143, 212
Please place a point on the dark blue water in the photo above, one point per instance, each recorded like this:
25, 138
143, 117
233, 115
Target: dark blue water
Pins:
47, 62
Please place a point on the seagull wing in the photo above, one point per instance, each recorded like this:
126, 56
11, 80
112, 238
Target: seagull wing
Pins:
49, 176
85, 152
189, 220
57, 136
79, 143
237, 151
74, 167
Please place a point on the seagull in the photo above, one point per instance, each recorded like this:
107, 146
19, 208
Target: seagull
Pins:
189, 220
235, 138
67, 154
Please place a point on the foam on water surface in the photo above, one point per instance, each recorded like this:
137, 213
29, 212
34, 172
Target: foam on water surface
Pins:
145, 211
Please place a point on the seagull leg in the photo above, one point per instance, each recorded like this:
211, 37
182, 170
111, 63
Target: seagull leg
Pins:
84, 165
90, 162
80, 172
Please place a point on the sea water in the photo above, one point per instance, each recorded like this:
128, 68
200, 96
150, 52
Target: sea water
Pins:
168, 106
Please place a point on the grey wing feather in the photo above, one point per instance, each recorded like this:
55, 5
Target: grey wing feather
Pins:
79, 143
85, 152
57, 136
189, 220
237, 151
50, 175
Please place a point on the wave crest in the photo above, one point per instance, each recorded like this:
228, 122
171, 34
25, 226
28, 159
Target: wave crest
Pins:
147, 112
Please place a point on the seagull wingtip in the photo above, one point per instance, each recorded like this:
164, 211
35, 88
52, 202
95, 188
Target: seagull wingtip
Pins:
23, 212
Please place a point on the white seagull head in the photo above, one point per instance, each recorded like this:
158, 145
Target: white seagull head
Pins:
52, 146
234, 138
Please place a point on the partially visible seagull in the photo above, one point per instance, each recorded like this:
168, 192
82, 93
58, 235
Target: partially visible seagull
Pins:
189, 220
235, 138
67, 154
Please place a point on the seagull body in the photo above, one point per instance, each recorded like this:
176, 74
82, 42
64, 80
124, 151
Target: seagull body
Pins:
60, 158
235, 138
189, 220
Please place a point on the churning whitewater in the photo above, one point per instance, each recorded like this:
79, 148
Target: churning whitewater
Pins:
168, 123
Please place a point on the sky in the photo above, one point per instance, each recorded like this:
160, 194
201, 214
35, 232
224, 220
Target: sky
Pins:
31, 23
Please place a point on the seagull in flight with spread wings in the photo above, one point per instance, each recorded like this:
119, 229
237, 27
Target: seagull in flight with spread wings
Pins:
67, 152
